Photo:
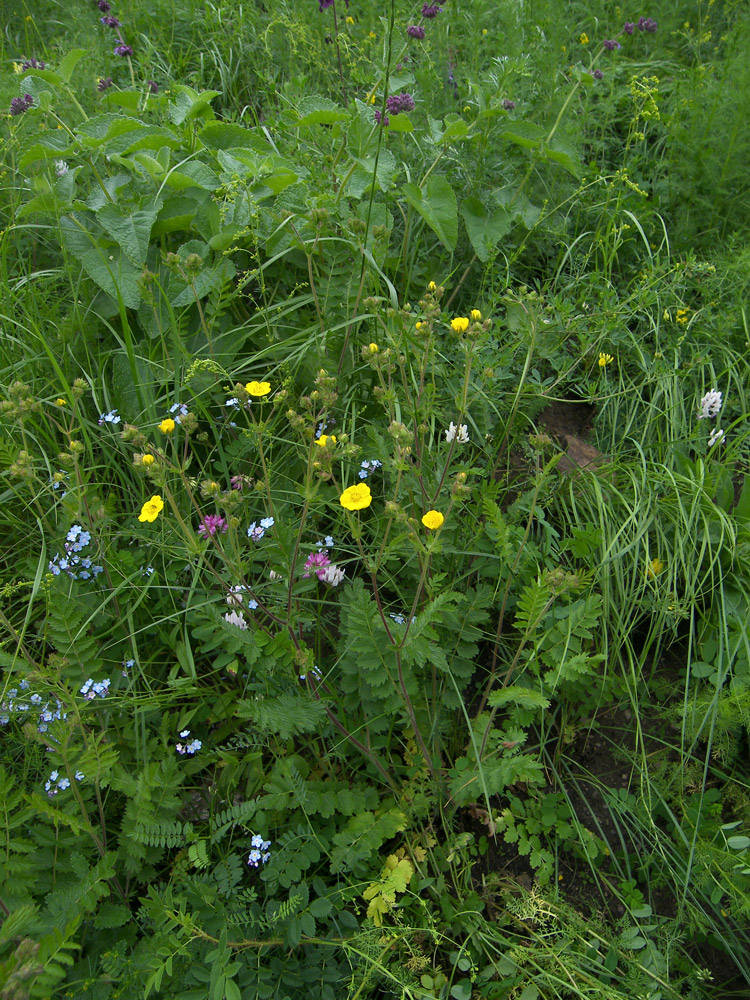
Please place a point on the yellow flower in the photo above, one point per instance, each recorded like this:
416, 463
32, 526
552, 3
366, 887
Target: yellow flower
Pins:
372, 35
18, 67
475, 314
59, 402
374, 348
682, 316
371, 99
350, 20
432, 287
584, 39
460, 324
151, 508
167, 425
258, 388
484, 31
604, 360
654, 567
147, 460
324, 439
433, 519
356, 497
418, 325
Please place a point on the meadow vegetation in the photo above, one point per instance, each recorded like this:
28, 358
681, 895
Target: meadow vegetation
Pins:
376, 533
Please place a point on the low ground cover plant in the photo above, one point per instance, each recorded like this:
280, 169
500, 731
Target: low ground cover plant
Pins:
374, 437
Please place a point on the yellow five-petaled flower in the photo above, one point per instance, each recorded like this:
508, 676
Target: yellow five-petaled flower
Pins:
433, 519
604, 360
654, 567
356, 497
167, 425
258, 388
324, 439
151, 508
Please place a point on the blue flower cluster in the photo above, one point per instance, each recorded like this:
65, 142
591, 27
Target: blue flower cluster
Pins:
21, 700
77, 567
55, 783
58, 481
326, 544
260, 853
178, 410
91, 689
256, 532
112, 417
190, 748
367, 467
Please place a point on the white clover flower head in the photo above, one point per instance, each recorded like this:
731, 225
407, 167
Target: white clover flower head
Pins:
458, 433
233, 618
61, 168
710, 405
717, 436
332, 575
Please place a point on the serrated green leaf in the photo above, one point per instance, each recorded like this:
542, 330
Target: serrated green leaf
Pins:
436, 203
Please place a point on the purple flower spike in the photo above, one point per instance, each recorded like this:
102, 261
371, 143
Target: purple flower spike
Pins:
104, 84
398, 103
153, 86
104, 7
379, 116
317, 563
509, 105
610, 44
647, 24
597, 74
628, 27
109, 22
20, 104
211, 524
33, 64
430, 10
123, 50
415, 31
324, 5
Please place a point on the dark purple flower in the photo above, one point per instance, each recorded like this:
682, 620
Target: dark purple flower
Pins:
647, 24
123, 50
430, 10
415, 31
33, 64
399, 103
212, 523
104, 84
109, 22
379, 116
20, 104
324, 5
153, 86
628, 27
597, 74
509, 105
104, 7
610, 44
317, 563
